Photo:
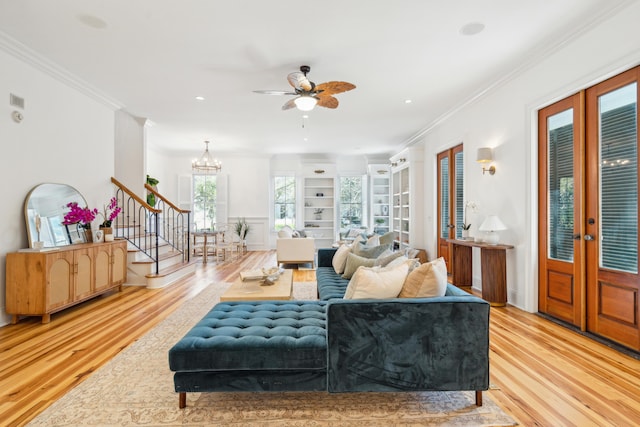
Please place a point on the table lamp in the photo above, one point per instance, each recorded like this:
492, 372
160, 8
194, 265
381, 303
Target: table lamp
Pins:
492, 224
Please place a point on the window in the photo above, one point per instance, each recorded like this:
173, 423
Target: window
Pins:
351, 201
284, 202
204, 201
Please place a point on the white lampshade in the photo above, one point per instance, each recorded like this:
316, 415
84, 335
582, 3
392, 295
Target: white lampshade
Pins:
305, 102
492, 224
484, 155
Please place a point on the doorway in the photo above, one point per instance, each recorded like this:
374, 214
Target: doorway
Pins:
450, 189
588, 210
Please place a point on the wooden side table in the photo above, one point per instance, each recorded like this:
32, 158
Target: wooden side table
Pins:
493, 262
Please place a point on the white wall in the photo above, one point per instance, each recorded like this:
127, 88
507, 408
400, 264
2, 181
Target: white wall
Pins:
65, 137
505, 119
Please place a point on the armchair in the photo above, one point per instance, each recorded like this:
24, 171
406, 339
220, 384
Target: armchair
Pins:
293, 250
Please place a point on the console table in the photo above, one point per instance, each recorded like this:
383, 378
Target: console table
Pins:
493, 262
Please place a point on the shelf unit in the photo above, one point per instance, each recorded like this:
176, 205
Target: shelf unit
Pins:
407, 219
319, 194
380, 197
401, 204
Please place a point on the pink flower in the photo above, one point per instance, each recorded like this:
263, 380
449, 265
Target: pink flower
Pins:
80, 215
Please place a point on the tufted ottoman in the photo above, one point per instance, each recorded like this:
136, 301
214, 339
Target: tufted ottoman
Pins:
254, 346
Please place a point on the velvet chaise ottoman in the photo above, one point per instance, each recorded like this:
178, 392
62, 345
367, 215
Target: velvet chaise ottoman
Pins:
254, 346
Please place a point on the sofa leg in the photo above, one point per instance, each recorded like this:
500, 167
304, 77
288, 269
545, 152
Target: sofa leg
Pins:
478, 397
182, 400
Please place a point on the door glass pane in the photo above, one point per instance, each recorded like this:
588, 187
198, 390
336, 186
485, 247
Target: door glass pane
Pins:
619, 179
459, 206
560, 184
444, 198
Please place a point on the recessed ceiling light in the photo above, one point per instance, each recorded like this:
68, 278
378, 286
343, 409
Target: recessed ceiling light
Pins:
306, 139
472, 28
408, 101
200, 98
92, 21
305, 116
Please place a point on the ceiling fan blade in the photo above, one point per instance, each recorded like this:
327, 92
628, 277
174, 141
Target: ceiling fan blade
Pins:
327, 101
331, 88
299, 81
290, 104
274, 92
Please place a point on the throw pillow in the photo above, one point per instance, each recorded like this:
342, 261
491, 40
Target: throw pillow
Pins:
428, 280
412, 263
354, 232
355, 261
373, 240
359, 238
369, 251
376, 282
302, 233
285, 232
385, 258
295, 234
387, 238
340, 258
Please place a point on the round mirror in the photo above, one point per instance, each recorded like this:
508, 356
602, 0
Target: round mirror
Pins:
44, 210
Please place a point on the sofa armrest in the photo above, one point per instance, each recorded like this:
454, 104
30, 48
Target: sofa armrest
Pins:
325, 256
408, 344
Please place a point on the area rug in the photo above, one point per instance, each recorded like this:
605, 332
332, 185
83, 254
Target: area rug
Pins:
135, 388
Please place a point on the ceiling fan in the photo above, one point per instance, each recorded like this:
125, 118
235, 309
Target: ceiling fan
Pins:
307, 93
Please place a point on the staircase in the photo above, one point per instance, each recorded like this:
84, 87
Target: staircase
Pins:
158, 238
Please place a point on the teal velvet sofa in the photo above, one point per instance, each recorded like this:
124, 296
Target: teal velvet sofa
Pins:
337, 345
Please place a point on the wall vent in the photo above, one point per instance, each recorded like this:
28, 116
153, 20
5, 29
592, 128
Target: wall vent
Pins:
16, 101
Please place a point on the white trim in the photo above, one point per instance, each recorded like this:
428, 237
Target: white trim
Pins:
33, 58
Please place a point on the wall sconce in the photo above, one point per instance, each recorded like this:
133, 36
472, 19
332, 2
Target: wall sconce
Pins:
486, 156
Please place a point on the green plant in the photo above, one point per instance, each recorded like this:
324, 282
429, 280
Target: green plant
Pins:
379, 221
241, 227
151, 198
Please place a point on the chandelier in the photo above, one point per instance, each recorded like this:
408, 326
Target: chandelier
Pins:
206, 163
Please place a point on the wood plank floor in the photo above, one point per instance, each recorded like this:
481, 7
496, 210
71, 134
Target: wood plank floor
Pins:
541, 373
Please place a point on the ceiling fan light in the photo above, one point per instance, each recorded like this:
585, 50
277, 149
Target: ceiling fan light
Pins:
305, 102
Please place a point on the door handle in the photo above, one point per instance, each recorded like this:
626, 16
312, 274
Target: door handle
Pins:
451, 226
576, 236
588, 237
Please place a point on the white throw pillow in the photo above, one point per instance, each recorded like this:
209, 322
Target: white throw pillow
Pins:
373, 240
376, 282
428, 280
285, 232
340, 258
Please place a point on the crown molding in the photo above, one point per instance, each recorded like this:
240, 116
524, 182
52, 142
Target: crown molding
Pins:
27, 55
532, 58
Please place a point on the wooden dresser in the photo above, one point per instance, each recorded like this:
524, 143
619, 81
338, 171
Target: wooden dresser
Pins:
41, 283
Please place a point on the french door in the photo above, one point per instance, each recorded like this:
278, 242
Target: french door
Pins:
450, 198
588, 219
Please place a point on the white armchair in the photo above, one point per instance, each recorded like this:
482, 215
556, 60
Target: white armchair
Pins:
296, 250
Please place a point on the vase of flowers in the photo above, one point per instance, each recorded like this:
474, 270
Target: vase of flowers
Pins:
82, 218
109, 213
465, 225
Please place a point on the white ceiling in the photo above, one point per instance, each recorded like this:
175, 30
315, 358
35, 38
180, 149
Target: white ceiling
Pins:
155, 56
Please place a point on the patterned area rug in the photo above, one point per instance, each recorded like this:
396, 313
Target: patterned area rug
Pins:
136, 388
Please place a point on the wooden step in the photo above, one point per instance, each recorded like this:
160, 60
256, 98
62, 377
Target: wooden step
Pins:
170, 274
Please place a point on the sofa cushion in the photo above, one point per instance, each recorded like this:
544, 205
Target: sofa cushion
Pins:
376, 282
373, 240
340, 258
369, 251
427, 280
261, 335
330, 284
354, 262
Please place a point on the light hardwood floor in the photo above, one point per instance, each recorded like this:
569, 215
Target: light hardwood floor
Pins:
541, 373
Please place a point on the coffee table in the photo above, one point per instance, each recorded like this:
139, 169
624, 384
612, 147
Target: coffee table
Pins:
251, 290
